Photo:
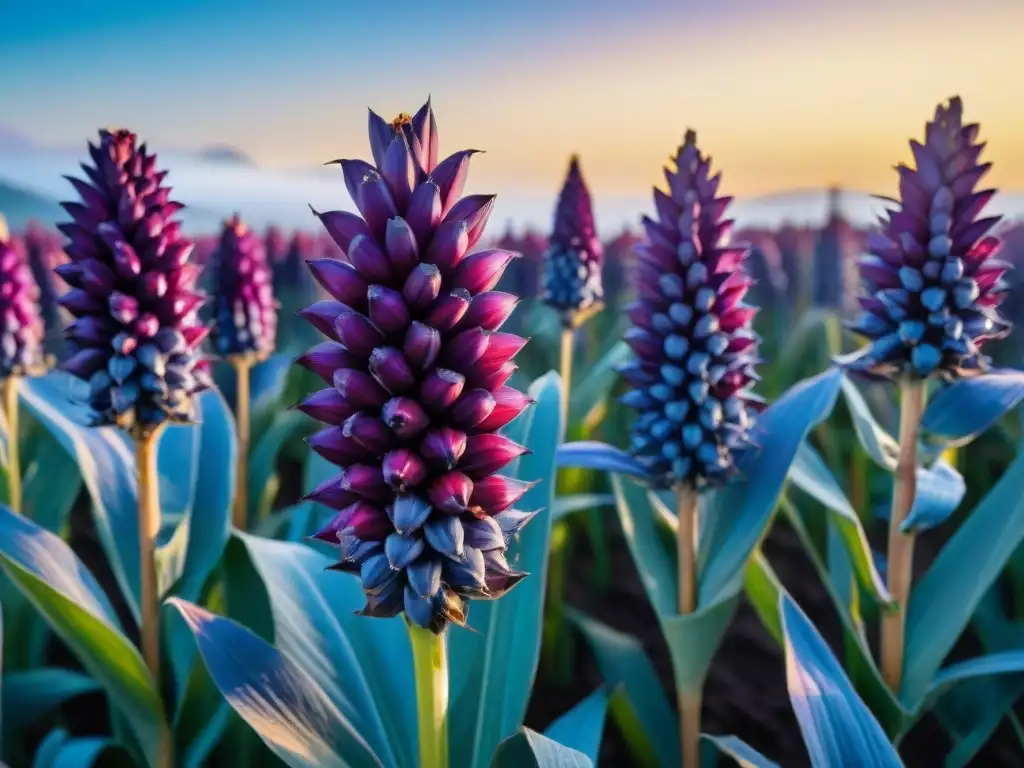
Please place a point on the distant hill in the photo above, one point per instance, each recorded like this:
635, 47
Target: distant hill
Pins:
11, 139
19, 206
225, 154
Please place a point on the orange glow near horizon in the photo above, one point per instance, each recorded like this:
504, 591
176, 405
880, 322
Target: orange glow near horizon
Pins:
779, 104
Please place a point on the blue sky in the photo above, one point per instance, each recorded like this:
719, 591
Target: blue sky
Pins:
790, 93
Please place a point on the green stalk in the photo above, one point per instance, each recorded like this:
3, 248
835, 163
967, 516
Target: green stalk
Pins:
689, 703
149, 526
565, 367
430, 668
240, 516
10, 387
913, 393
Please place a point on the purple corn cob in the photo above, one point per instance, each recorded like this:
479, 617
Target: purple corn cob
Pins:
417, 374
136, 334
692, 334
244, 308
931, 287
21, 326
572, 268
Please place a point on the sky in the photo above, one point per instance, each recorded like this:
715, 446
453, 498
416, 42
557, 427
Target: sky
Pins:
783, 94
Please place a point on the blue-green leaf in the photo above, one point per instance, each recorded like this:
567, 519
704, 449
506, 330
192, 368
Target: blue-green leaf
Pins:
31, 694
277, 698
529, 749
203, 532
267, 381
108, 470
736, 515
579, 502
737, 749
973, 708
810, 474
582, 727
837, 728
1002, 663
649, 723
284, 426
878, 443
942, 602
491, 685
860, 664
87, 752
940, 489
363, 666
51, 485
963, 410
590, 394
590, 454
63, 590
653, 563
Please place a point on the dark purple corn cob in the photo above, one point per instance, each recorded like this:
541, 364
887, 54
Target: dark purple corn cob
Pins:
245, 313
696, 351
931, 287
417, 374
136, 334
21, 326
572, 267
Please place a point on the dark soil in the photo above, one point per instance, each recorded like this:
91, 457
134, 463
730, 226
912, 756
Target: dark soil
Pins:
745, 693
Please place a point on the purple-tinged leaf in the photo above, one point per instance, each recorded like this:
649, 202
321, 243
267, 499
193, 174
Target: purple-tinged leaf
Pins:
963, 410
940, 489
590, 454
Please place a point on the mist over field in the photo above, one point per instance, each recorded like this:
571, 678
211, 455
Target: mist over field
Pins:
216, 183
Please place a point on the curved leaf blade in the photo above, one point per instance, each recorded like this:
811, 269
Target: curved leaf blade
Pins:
277, 698
649, 724
590, 394
737, 749
1002, 663
653, 562
49, 574
837, 728
490, 687
284, 426
529, 749
590, 454
28, 695
940, 489
107, 468
810, 474
943, 601
737, 515
582, 727
579, 502
963, 410
879, 444
89, 751
362, 665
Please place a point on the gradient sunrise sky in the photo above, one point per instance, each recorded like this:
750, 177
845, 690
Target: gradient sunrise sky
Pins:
784, 94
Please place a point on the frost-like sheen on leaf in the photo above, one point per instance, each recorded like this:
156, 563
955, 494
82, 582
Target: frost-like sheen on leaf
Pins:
133, 292
572, 264
696, 351
932, 288
417, 374
245, 313
21, 325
